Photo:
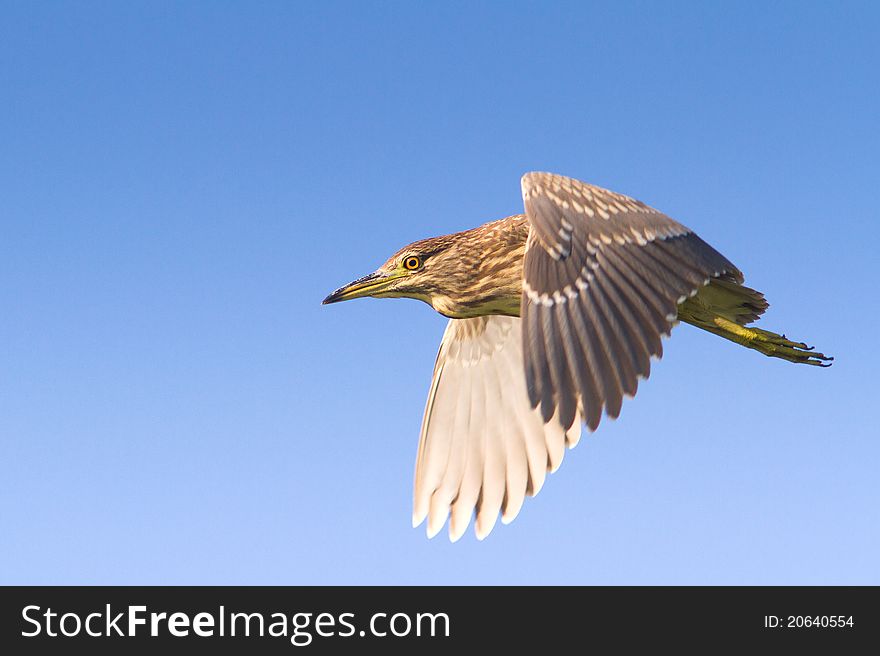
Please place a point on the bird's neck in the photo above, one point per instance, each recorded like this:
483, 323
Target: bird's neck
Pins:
504, 305
489, 279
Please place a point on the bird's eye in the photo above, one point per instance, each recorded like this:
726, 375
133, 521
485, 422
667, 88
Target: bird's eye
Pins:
412, 263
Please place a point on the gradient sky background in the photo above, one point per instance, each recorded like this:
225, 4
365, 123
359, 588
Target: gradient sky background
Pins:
182, 183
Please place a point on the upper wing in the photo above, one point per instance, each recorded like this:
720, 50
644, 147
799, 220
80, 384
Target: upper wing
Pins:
482, 446
603, 276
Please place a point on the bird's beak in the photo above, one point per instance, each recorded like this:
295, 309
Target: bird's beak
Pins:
369, 285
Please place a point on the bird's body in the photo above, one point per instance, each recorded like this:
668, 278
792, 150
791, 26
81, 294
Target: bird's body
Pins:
555, 315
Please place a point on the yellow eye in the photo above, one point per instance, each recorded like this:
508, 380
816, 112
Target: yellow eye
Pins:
412, 263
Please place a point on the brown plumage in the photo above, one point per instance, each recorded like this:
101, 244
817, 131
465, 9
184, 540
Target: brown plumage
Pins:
598, 279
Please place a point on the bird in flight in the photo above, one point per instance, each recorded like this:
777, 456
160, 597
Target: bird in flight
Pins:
554, 316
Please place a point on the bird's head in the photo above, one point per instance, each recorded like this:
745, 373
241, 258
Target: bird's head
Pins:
420, 270
455, 274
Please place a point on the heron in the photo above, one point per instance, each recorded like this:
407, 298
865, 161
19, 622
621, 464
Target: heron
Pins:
554, 317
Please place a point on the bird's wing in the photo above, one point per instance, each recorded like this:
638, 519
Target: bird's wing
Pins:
603, 276
482, 447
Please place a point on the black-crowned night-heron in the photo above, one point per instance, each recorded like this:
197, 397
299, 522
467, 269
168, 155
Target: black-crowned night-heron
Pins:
554, 315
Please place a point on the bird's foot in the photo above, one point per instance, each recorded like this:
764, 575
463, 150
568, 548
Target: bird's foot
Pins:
774, 345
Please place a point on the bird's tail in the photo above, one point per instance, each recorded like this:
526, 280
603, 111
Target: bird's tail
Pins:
724, 307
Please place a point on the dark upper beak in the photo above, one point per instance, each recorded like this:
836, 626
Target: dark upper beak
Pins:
357, 288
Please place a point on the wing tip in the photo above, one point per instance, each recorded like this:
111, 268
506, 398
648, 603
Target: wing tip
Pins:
484, 525
455, 536
417, 518
431, 530
508, 517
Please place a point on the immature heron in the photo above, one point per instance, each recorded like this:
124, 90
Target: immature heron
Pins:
554, 315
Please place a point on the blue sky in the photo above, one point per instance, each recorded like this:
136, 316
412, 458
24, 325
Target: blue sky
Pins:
182, 183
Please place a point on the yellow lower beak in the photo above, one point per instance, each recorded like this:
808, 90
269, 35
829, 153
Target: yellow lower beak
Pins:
366, 286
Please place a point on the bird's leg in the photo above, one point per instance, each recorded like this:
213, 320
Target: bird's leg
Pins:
769, 343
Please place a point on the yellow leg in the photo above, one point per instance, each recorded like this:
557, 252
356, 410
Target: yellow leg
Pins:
768, 343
